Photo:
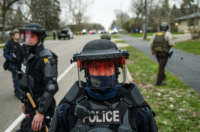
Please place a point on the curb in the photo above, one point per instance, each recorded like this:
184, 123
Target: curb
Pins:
128, 74
129, 77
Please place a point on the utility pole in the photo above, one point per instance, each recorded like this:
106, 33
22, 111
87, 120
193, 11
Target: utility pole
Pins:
145, 21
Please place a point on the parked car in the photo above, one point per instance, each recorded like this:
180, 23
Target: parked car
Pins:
102, 31
114, 31
84, 31
92, 31
65, 33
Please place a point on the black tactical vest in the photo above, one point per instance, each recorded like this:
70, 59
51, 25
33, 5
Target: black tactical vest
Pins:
105, 116
31, 80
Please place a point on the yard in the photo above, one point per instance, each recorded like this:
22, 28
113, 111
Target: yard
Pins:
191, 46
176, 105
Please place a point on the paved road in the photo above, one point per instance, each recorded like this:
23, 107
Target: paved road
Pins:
1, 52
10, 106
184, 65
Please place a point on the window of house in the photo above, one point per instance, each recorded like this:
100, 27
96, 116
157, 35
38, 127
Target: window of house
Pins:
191, 22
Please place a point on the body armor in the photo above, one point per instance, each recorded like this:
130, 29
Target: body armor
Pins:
90, 115
39, 78
160, 44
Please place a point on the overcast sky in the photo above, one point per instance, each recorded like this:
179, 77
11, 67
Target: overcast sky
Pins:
102, 11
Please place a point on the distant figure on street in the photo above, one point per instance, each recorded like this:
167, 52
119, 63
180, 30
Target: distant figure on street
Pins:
54, 35
160, 46
13, 59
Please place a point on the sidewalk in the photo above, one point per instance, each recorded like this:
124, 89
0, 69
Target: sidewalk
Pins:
182, 64
177, 37
1, 52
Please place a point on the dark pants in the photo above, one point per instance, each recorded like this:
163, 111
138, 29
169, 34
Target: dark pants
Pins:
162, 59
26, 125
54, 37
16, 84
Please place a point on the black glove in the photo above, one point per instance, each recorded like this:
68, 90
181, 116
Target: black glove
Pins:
6, 65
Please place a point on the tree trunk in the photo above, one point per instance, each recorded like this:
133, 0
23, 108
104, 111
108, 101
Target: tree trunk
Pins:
3, 24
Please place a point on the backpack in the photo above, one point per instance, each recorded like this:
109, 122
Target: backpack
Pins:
160, 44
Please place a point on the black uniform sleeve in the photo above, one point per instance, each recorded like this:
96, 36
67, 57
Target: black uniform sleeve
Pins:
6, 51
145, 120
61, 119
50, 79
141, 116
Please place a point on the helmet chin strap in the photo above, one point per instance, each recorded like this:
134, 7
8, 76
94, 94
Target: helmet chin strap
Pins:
124, 71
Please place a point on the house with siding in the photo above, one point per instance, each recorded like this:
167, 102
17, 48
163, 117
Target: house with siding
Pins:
188, 21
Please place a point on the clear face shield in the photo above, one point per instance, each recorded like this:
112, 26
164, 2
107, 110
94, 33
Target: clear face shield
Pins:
28, 38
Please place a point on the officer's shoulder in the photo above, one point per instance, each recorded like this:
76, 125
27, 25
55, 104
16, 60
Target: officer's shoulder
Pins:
62, 108
160, 33
68, 99
73, 93
8, 43
168, 33
129, 86
134, 93
47, 53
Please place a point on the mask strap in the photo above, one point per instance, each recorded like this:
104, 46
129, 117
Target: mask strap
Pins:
124, 73
79, 79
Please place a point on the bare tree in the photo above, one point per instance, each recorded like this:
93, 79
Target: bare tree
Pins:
5, 6
78, 9
45, 12
121, 18
137, 8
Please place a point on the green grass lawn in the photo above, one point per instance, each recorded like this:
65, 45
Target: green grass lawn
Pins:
3, 41
49, 38
1, 45
120, 41
115, 36
191, 46
138, 35
177, 106
148, 39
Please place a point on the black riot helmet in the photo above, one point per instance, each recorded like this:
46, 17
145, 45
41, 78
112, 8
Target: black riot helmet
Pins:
14, 31
164, 26
32, 29
97, 51
100, 49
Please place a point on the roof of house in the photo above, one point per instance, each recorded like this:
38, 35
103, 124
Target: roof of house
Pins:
193, 15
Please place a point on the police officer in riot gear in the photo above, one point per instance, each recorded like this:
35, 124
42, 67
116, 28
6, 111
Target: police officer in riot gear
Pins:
38, 77
13, 58
101, 103
161, 47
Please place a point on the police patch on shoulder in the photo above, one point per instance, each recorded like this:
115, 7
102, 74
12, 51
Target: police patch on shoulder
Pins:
46, 60
105, 117
160, 33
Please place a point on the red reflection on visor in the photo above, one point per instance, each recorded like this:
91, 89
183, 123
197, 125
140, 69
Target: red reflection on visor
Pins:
101, 68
